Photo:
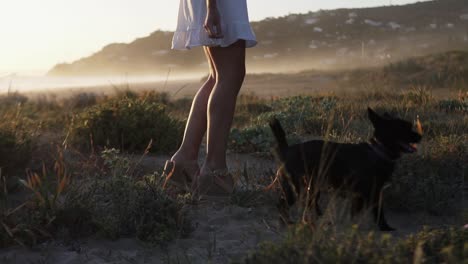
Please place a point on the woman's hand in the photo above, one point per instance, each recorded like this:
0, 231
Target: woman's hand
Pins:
213, 20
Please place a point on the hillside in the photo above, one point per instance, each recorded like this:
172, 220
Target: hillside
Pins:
331, 39
444, 73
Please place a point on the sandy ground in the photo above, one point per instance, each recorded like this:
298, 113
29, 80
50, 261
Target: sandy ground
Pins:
222, 233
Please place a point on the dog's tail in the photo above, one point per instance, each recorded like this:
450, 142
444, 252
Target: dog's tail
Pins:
280, 136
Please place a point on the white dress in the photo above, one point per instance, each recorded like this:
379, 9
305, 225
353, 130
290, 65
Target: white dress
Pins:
234, 23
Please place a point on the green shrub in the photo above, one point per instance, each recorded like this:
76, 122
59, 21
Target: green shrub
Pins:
127, 124
304, 245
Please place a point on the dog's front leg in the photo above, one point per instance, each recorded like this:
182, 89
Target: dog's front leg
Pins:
379, 217
317, 204
283, 208
357, 204
314, 202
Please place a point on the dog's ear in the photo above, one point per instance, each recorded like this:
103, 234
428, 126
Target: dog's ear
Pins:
387, 115
373, 117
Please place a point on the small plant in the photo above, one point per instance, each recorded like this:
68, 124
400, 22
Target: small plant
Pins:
33, 220
11, 232
116, 163
419, 96
46, 191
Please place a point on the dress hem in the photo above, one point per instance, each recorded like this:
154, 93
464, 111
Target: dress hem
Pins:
190, 38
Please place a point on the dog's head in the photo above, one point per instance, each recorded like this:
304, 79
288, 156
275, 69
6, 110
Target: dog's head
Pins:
395, 134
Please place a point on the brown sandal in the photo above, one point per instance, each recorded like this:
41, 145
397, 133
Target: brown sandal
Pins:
178, 177
217, 184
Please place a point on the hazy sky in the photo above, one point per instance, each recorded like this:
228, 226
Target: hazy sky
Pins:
37, 34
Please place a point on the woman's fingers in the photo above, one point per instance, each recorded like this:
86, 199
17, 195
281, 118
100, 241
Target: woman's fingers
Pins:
213, 24
214, 31
219, 31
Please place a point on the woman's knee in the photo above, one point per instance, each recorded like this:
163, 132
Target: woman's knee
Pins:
235, 74
229, 63
211, 80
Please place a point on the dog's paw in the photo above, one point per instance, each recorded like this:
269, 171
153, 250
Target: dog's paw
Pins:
387, 228
286, 222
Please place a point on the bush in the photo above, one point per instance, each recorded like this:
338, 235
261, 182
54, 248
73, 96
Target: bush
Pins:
12, 99
80, 101
128, 207
324, 246
249, 106
251, 139
418, 95
128, 124
15, 152
156, 97
453, 105
300, 115
431, 181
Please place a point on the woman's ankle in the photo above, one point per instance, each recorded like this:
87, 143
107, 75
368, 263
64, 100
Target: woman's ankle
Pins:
185, 157
210, 167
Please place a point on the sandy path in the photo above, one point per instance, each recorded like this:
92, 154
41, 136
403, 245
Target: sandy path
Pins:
225, 233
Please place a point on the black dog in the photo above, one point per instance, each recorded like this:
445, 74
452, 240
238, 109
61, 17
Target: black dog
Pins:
358, 169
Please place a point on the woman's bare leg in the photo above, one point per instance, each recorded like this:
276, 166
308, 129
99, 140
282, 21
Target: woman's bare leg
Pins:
229, 65
197, 120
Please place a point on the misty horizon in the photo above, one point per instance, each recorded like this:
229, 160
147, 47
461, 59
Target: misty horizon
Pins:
62, 42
